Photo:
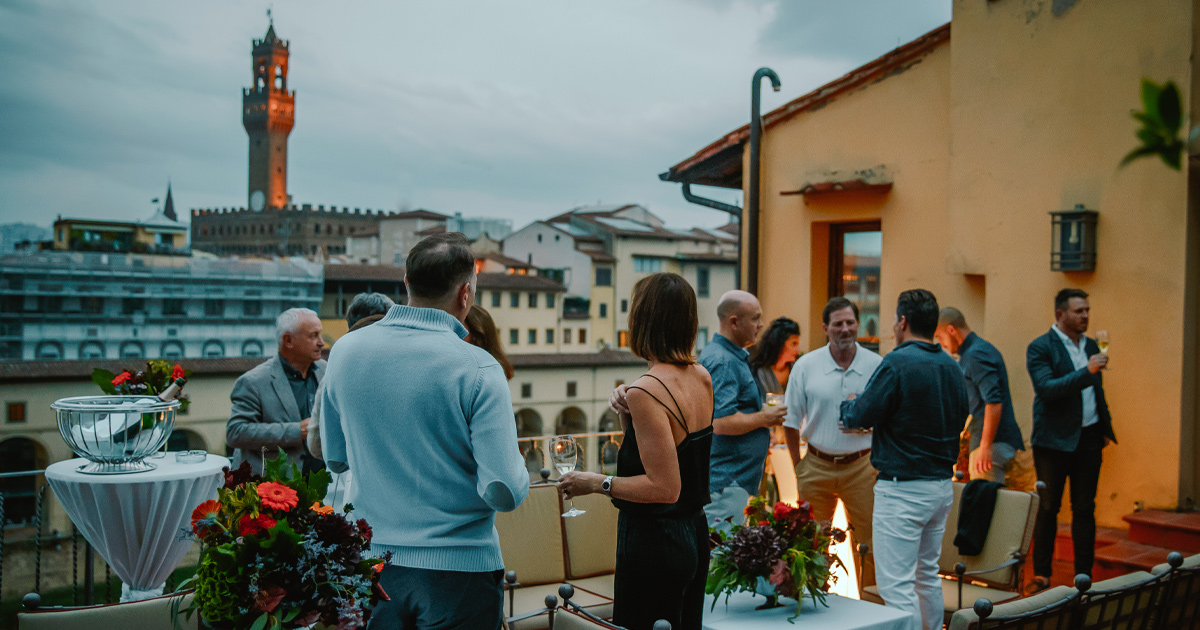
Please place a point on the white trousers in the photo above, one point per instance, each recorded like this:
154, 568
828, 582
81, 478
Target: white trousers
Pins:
908, 523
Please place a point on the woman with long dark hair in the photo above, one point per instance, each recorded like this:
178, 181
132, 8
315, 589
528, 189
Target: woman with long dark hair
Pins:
772, 359
661, 485
482, 332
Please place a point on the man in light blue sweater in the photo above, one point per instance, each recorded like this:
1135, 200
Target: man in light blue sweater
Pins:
425, 421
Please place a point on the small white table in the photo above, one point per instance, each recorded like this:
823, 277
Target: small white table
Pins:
137, 521
842, 614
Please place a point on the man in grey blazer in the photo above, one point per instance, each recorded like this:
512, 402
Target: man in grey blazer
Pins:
273, 403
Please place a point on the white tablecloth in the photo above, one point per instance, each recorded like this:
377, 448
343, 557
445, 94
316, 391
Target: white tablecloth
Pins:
842, 614
137, 521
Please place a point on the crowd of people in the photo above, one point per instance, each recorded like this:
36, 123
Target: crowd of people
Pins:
418, 428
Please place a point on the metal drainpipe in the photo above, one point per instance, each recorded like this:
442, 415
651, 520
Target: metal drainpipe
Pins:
723, 207
755, 149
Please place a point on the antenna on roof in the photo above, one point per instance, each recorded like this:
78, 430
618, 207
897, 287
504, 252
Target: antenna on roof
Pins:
272, 20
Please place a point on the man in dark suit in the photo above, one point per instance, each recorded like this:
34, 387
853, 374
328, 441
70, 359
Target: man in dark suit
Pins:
1071, 426
273, 403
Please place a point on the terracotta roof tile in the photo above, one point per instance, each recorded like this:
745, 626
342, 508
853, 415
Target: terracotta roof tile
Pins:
517, 281
364, 272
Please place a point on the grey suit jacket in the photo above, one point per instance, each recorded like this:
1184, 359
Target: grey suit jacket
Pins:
265, 415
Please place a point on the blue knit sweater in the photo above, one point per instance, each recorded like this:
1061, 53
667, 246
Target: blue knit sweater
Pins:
425, 421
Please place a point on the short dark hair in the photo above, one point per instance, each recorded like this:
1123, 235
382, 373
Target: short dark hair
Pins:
1062, 300
438, 264
366, 305
920, 309
836, 304
662, 319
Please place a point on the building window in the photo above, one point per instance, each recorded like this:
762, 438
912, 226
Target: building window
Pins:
173, 307
495, 299
702, 282
252, 348
532, 336
514, 336
539, 238
171, 350
549, 300
50, 303
214, 349
514, 299
582, 335
623, 339
604, 276
566, 335
16, 412
603, 310
252, 308
214, 308
132, 350
91, 304
129, 306
91, 350
642, 264
526, 390
549, 335
571, 389
93, 332
624, 306
532, 300
701, 338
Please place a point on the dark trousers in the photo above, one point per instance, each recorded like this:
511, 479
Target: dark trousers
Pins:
1054, 468
662, 564
427, 598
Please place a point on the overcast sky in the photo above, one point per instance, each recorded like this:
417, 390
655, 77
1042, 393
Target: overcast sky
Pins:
518, 109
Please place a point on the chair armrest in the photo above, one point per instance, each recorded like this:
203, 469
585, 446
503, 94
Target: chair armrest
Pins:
551, 603
1003, 565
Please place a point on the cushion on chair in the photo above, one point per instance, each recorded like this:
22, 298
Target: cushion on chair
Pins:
570, 620
530, 598
1010, 532
965, 617
591, 538
147, 614
970, 593
1188, 562
531, 538
1121, 581
601, 585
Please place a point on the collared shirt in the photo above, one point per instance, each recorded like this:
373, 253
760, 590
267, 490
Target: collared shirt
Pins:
736, 460
815, 392
304, 388
916, 402
1079, 358
987, 383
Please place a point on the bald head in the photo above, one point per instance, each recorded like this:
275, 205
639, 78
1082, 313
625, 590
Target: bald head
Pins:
741, 317
953, 317
952, 329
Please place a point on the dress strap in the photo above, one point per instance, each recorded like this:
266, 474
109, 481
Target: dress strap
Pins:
678, 417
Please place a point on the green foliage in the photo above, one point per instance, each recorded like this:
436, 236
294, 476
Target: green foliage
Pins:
1161, 119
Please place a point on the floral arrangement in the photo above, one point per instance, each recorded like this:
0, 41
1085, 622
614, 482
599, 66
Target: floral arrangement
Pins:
782, 545
272, 556
155, 379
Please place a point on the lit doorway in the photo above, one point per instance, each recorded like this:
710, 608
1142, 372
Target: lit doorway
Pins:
855, 253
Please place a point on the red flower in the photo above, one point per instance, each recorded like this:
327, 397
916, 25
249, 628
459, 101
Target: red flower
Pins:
277, 496
748, 510
364, 530
763, 523
784, 511
268, 599
251, 526
121, 378
206, 511
176, 372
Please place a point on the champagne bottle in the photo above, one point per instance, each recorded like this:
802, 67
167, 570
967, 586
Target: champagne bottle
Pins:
168, 394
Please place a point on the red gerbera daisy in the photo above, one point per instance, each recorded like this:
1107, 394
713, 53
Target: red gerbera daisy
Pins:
205, 511
121, 378
277, 496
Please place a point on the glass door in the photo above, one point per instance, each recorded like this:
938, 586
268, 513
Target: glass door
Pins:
855, 253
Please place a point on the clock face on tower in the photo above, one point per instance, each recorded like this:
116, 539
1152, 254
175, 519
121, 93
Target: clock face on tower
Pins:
257, 200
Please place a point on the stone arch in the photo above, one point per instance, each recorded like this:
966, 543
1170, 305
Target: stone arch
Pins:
91, 350
132, 350
49, 350
570, 421
19, 454
213, 348
185, 440
252, 348
529, 423
171, 350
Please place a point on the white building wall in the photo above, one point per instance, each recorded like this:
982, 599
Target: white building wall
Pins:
553, 250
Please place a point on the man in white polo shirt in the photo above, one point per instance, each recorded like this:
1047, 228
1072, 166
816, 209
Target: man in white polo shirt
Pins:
838, 463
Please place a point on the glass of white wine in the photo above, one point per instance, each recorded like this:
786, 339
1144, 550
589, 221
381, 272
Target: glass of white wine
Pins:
565, 453
774, 400
1102, 340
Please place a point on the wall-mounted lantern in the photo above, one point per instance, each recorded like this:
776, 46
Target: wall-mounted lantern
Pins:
1073, 240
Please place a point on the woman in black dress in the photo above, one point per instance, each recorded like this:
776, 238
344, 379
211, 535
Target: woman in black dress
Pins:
661, 485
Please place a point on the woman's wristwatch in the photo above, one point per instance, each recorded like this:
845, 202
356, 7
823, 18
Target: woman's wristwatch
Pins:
606, 486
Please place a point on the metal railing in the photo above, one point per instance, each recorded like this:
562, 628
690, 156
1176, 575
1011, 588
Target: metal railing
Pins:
598, 452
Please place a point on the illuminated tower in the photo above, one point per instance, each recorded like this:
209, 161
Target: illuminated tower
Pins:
268, 111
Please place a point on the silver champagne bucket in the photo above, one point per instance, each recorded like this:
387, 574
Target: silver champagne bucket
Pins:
115, 433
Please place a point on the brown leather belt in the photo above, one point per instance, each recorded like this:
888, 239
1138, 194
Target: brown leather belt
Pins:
839, 459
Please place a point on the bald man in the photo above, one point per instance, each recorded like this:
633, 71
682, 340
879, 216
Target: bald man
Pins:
741, 423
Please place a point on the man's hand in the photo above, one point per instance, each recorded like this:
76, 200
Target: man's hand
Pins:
617, 402
304, 428
980, 461
1097, 362
772, 416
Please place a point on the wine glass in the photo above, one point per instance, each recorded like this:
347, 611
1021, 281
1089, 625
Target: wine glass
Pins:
565, 453
1102, 340
774, 400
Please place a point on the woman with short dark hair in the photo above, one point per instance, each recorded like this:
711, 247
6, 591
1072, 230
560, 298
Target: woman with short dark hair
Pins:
661, 485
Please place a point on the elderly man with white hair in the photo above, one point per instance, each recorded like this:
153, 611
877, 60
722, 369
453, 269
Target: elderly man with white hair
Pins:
273, 403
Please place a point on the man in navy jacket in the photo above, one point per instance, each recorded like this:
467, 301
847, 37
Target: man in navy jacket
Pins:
1071, 426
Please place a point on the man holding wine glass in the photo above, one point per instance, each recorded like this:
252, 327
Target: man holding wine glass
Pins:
1071, 427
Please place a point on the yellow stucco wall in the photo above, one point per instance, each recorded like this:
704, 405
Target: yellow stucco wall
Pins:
1024, 112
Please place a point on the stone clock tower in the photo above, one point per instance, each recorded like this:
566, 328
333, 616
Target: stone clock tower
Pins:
268, 111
